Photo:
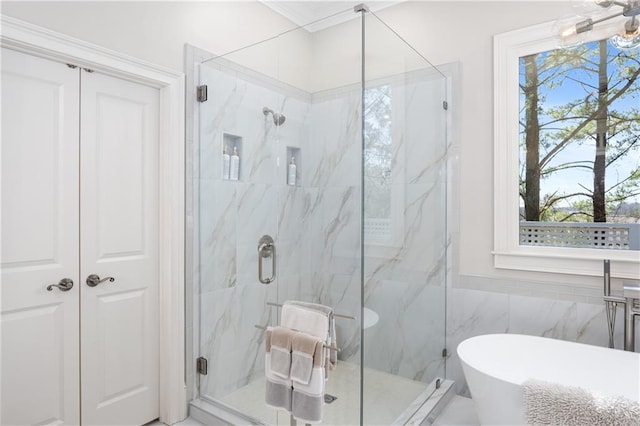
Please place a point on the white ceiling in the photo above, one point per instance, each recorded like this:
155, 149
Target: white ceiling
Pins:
306, 12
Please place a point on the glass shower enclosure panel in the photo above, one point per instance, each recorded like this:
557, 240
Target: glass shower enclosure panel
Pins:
238, 205
279, 156
322, 178
404, 225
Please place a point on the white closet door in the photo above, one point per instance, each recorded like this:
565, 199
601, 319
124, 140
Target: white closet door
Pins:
40, 382
119, 239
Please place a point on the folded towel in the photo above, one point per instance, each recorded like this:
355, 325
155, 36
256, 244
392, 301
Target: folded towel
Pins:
306, 320
278, 392
307, 400
330, 337
318, 354
303, 356
281, 339
555, 404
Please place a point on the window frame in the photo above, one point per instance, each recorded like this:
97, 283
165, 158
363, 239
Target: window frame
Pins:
508, 253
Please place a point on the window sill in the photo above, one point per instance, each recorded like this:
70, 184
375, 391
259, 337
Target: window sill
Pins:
624, 264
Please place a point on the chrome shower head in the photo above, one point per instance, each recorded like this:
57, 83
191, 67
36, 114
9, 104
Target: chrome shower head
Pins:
278, 118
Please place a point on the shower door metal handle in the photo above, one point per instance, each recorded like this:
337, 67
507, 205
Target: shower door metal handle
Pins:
266, 248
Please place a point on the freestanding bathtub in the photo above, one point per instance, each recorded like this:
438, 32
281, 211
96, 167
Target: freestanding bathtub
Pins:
496, 365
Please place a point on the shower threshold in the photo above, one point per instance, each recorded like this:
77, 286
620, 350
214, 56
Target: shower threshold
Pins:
389, 399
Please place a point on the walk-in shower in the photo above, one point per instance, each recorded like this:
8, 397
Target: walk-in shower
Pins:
362, 225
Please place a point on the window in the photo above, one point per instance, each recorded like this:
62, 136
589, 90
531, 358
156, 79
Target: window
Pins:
567, 154
377, 164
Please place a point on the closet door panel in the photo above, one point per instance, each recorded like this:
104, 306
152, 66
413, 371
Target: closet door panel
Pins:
39, 328
119, 239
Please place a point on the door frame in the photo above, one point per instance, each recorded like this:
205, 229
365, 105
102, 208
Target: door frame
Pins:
38, 41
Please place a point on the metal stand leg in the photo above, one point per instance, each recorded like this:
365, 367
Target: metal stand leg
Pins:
629, 327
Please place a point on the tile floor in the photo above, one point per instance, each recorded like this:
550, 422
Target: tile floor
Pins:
460, 411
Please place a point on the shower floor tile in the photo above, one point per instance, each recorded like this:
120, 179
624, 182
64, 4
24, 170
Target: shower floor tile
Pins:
386, 397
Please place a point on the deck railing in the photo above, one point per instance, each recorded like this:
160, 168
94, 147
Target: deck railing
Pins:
613, 236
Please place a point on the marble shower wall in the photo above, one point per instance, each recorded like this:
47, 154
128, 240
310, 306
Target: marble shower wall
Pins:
234, 215
316, 224
405, 280
335, 175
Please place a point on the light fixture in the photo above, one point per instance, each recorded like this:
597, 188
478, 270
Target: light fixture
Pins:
627, 38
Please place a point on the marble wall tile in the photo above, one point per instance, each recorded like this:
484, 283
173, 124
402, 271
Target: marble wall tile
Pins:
425, 235
256, 216
408, 339
218, 222
473, 312
470, 313
425, 130
543, 317
592, 325
336, 142
228, 337
341, 226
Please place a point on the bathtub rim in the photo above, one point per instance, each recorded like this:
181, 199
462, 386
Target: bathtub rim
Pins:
463, 350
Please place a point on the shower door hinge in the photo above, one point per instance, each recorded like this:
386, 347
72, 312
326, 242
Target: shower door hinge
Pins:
445, 353
445, 105
201, 365
202, 93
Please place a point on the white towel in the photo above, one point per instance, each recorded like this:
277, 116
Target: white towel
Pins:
307, 351
281, 339
279, 392
307, 400
293, 319
301, 318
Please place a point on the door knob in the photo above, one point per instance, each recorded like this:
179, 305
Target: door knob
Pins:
65, 284
93, 280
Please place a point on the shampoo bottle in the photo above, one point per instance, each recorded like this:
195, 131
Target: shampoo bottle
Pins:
291, 180
234, 165
225, 163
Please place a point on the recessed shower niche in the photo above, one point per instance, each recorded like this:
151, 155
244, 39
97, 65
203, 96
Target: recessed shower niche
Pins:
293, 166
231, 157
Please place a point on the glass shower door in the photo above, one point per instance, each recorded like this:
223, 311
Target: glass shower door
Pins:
276, 113
239, 205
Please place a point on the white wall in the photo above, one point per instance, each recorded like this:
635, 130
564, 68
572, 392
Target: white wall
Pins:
158, 31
